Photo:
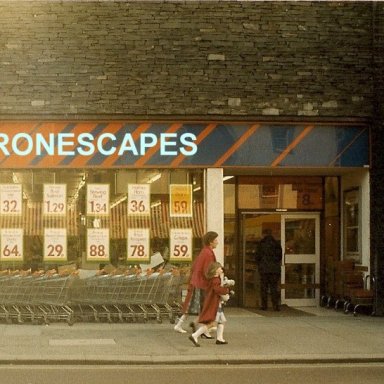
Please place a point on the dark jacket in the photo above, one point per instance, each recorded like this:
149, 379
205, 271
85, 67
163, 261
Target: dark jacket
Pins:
268, 255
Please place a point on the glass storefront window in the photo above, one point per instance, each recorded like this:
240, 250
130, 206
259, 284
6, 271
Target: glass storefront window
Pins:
351, 225
301, 193
69, 204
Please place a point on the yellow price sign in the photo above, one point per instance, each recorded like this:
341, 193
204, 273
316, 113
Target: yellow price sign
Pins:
180, 200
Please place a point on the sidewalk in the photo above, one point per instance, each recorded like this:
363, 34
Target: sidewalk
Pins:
329, 336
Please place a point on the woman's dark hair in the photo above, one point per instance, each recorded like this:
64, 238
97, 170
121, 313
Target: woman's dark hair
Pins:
209, 237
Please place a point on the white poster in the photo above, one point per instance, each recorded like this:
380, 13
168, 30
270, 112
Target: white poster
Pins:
55, 199
181, 245
97, 244
10, 199
11, 240
98, 199
55, 244
139, 199
138, 245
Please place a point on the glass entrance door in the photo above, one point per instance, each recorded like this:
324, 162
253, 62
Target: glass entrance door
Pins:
300, 238
252, 226
300, 241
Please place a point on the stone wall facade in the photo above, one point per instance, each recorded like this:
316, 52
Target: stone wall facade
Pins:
200, 59
207, 58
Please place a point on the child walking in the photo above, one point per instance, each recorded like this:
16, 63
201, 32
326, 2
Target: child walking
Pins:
212, 312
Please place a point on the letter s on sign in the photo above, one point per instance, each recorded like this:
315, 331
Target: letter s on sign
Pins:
187, 139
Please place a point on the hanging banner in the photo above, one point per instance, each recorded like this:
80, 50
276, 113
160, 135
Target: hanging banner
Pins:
11, 199
138, 245
55, 200
97, 244
180, 200
98, 199
181, 244
55, 244
11, 240
139, 199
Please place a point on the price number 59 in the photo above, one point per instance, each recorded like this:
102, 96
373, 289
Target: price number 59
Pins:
180, 250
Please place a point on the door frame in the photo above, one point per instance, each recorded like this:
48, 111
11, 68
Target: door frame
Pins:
301, 259
294, 259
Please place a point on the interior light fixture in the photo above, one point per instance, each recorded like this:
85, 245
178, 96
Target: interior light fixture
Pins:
225, 178
154, 178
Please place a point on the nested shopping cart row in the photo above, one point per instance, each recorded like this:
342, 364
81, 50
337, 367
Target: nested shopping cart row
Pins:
105, 297
35, 298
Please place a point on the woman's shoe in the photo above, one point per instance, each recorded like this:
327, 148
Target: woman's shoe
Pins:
219, 342
204, 336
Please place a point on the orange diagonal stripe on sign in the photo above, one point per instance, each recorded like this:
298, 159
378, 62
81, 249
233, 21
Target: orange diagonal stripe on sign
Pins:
206, 131
151, 151
332, 163
80, 160
110, 160
294, 143
58, 127
11, 128
237, 145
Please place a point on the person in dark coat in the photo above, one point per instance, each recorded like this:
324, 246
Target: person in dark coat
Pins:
268, 259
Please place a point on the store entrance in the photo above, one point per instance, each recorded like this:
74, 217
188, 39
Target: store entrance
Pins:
299, 235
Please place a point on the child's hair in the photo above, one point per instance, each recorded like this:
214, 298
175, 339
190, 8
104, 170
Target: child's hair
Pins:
212, 268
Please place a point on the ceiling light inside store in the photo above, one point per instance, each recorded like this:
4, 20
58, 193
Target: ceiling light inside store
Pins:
155, 177
225, 178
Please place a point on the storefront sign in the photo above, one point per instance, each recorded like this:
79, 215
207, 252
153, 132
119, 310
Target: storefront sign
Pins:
55, 244
55, 199
181, 245
131, 144
180, 200
97, 244
11, 240
138, 248
10, 199
139, 199
98, 199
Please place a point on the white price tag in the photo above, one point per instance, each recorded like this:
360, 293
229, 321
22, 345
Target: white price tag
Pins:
181, 245
98, 199
10, 199
55, 244
11, 240
55, 199
98, 244
138, 245
139, 199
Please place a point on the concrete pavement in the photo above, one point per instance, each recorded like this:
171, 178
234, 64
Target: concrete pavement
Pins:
323, 335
